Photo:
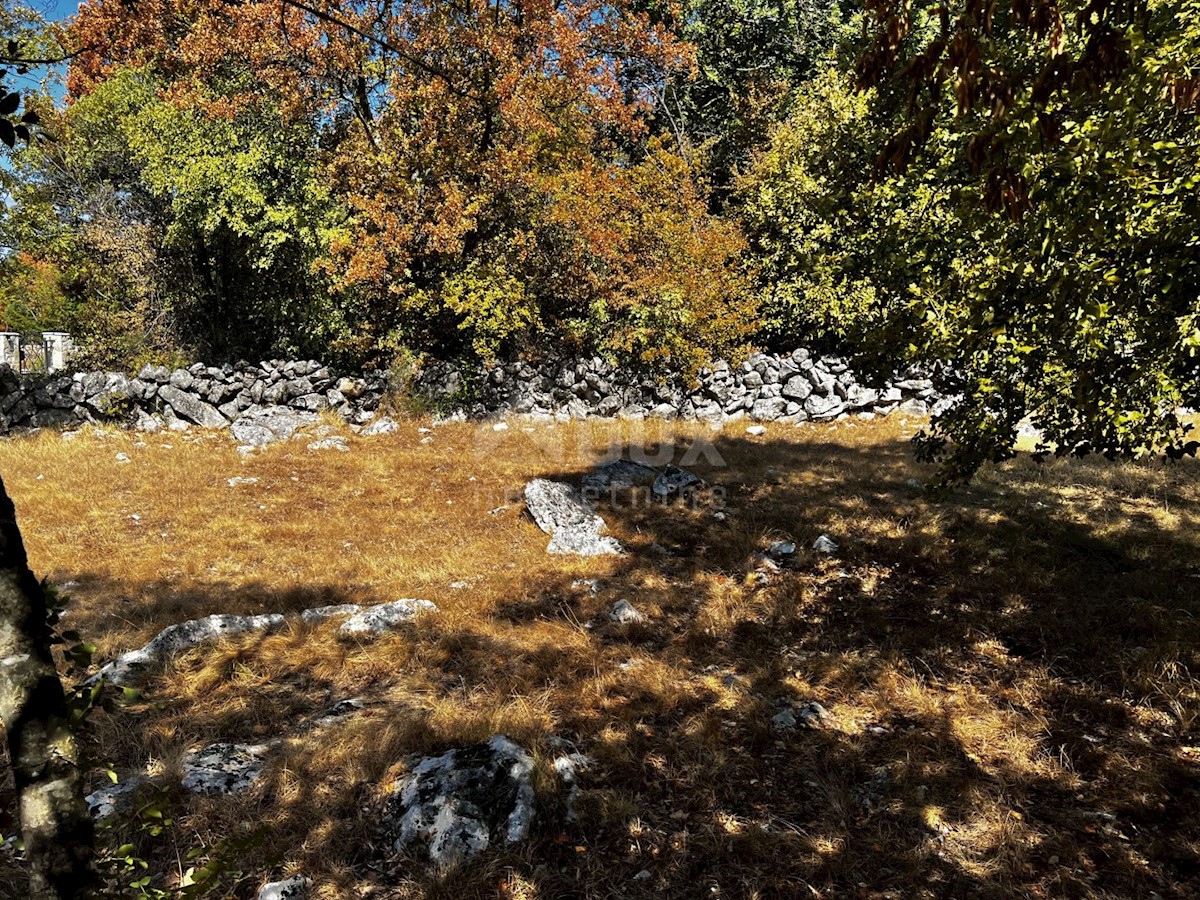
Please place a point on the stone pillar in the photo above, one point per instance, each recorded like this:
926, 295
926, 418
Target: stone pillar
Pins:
58, 349
10, 349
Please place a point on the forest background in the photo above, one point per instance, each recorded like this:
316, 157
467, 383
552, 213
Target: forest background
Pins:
1010, 190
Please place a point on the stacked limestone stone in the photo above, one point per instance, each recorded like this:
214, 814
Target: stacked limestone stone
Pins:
769, 388
789, 388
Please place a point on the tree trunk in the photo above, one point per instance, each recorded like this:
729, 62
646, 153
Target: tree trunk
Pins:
55, 824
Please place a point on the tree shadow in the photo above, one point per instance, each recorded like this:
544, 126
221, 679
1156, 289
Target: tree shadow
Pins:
1008, 669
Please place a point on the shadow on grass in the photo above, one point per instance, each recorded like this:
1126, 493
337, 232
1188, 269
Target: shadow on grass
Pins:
1009, 669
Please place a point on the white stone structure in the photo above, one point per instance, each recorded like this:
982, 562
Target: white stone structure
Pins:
10, 349
58, 348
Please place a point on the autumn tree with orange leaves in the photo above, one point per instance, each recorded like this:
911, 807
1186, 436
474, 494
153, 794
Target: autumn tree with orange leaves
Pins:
497, 178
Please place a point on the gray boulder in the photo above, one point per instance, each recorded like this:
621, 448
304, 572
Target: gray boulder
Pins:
192, 408
181, 379
458, 804
797, 388
768, 410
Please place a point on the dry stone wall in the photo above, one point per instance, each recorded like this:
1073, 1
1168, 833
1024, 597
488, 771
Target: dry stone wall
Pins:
795, 387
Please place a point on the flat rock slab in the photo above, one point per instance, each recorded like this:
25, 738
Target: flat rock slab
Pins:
321, 613
223, 768
104, 802
129, 668
572, 523
457, 804
618, 475
384, 617
673, 481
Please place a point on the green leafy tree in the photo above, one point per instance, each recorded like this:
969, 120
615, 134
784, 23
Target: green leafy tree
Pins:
177, 230
750, 54
1043, 251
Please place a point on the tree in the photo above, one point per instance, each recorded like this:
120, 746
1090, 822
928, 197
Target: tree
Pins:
56, 827
459, 139
55, 824
750, 56
1031, 232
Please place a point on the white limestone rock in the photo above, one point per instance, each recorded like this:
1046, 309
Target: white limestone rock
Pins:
625, 613
572, 523
104, 802
381, 425
260, 427
129, 668
224, 768
458, 804
337, 442
825, 545
292, 888
384, 617
321, 613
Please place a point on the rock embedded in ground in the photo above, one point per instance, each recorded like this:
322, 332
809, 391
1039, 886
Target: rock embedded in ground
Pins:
458, 804
340, 710
572, 523
223, 768
783, 720
384, 617
814, 715
321, 613
625, 613
619, 474
129, 668
337, 442
825, 544
569, 767
382, 425
104, 802
289, 889
674, 482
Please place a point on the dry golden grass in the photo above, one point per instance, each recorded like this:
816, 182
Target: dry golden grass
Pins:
1012, 670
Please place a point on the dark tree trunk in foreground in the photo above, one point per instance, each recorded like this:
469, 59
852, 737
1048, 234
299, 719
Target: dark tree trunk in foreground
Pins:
55, 824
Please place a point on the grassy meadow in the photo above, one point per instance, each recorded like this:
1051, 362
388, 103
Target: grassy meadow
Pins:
1013, 671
